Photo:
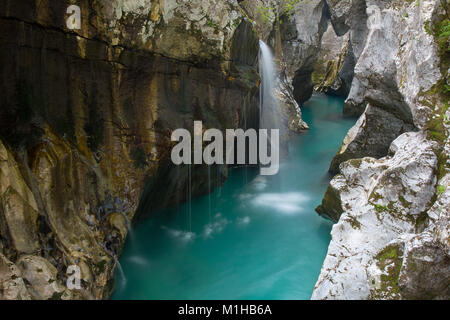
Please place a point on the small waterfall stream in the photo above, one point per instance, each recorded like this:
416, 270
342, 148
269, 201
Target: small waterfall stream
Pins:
268, 108
123, 278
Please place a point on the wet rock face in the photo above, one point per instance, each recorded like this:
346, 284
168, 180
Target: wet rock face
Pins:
371, 136
340, 16
391, 239
41, 277
186, 30
86, 119
301, 34
291, 113
351, 17
390, 78
334, 68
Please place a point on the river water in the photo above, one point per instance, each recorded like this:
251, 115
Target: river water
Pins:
256, 237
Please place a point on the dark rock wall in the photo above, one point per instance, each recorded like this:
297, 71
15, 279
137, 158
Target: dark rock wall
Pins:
86, 119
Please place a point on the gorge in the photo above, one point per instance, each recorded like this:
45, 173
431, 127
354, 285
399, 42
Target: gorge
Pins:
86, 177
255, 237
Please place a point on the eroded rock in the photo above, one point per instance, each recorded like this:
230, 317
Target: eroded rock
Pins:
371, 136
12, 286
41, 278
382, 202
333, 70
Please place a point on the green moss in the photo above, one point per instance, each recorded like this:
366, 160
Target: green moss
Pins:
435, 127
421, 220
236, 22
389, 260
427, 27
267, 14
440, 190
440, 30
211, 24
390, 206
443, 33
374, 196
388, 253
290, 6
403, 201
331, 206
442, 166
244, 13
380, 208
438, 97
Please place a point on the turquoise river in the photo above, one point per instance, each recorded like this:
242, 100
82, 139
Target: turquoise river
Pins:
256, 237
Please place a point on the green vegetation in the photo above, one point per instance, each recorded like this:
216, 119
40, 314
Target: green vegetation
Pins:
421, 221
443, 34
236, 22
290, 6
435, 127
441, 189
403, 201
440, 30
380, 208
267, 14
211, 24
390, 261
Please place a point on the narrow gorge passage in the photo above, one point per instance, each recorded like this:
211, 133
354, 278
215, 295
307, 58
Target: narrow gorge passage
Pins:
256, 237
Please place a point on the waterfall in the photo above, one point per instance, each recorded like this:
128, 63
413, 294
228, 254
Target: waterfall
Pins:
267, 103
245, 128
122, 274
269, 113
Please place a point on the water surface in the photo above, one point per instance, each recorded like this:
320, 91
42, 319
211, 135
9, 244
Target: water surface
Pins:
256, 237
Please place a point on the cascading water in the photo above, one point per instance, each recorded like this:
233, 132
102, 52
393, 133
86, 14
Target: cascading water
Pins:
268, 107
122, 274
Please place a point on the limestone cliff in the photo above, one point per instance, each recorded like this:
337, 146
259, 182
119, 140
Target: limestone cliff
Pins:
294, 29
391, 199
334, 68
86, 117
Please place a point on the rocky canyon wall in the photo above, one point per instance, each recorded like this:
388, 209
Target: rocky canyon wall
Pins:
390, 200
86, 118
